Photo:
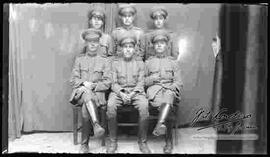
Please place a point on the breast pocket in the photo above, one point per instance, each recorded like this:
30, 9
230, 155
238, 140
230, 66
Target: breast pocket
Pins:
154, 72
121, 80
168, 73
98, 72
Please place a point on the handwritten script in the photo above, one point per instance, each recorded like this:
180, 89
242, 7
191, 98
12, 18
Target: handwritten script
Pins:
222, 121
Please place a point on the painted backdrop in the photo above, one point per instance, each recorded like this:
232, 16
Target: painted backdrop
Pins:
44, 40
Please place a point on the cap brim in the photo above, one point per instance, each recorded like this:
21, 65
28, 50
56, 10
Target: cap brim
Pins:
127, 10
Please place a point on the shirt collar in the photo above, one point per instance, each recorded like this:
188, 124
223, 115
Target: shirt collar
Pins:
163, 55
128, 27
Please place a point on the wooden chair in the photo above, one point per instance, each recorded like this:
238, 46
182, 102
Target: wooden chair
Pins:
76, 128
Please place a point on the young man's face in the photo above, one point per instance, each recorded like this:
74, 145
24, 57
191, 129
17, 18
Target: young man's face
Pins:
128, 50
96, 22
160, 46
127, 19
92, 46
159, 21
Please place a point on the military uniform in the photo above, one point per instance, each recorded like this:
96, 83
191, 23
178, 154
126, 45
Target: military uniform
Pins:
173, 49
89, 85
164, 86
90, 68
127, 76
106, 41
135, 31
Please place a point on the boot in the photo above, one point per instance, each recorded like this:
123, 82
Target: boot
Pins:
160, 128
142, 134
92, 109
86, 130
112, 126
167, 149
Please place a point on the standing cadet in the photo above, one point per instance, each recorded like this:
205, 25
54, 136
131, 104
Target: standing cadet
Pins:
96, 19
159, 15
164, 85
89, 85
127, 14
127, 86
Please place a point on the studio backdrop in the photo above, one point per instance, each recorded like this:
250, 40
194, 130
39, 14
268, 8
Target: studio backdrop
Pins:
44, 39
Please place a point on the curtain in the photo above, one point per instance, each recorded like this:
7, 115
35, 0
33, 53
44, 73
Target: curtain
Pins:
15, 118
254, 97
243, 30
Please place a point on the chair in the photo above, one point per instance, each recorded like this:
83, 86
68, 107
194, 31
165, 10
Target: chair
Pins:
103, 121
153, 115
128, 109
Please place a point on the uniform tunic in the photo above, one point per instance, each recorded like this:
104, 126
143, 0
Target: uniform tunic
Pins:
92, 69
127, 76
138, 32
163, 80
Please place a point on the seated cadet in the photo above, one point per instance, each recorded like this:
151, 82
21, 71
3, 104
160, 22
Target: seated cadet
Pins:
163, 83
127, 86
89, 86
127, 14
96, 19
159, 15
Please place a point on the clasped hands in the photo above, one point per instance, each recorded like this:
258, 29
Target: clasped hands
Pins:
127, 97
89, 85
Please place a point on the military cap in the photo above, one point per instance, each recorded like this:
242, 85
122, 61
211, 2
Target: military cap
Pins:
97, 11
127, 8
158, 10
91, 34
127, 38
159, 35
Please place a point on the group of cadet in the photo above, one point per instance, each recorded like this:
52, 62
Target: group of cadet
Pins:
134, 67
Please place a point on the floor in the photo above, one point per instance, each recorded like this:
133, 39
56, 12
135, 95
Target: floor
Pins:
190, 141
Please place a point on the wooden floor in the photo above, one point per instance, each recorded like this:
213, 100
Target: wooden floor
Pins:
190, 141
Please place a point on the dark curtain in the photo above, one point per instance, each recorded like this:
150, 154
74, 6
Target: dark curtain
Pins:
243, 30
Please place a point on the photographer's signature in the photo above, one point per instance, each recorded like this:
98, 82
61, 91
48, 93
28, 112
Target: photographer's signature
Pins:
223, 121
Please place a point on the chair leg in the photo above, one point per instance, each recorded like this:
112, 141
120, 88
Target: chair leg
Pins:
176, 127
75, 126
103, 124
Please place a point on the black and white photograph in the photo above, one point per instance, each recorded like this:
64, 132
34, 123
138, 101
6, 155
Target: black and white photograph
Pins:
134, 78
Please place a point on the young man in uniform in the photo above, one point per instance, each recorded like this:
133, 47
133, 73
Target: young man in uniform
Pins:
159, 15
96, 19
127, 14
127, 86
164, 85
89, 85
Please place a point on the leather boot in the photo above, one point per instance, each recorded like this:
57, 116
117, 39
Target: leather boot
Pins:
142, 134
167, 149
160, 128
86, 129
92, 109
112, 126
